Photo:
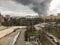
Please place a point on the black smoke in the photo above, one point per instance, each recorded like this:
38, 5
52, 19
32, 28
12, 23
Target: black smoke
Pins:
39, 6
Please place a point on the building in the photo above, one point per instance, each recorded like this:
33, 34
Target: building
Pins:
7, 17
1, 19
50, 17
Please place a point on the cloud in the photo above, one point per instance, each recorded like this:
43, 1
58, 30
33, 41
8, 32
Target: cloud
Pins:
10, 7
39, 6
54, 7
15, 13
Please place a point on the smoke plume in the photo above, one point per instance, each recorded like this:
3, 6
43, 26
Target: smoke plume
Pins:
39, 6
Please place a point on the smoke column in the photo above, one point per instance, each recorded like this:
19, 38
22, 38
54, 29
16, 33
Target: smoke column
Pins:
39, 6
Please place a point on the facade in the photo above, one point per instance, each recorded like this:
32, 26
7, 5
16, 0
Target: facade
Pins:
1, 19
51, 17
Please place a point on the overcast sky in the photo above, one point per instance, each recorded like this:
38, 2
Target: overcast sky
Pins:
54, 7
12, 8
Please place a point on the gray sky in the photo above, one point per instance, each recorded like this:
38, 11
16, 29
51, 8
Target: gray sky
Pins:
12, 8
54, 7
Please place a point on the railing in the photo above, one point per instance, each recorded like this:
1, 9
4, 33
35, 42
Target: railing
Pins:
14, 40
